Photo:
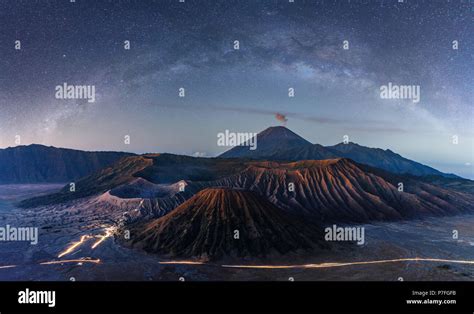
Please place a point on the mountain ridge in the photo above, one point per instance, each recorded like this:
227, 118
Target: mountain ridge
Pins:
376, 157
328, 190
219, 222
258, 198
345, 191
37, 163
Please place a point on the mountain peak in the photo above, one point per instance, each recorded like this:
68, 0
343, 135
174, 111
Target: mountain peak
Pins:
269, 142
277, 128
206, 224
348, 144
280, 132
280, 143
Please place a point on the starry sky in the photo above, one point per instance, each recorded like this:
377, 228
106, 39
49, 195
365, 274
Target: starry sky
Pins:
282, 45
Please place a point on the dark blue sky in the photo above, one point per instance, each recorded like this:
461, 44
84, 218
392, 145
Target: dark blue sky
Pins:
282, 45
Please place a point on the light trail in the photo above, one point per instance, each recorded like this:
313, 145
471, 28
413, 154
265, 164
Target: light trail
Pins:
102, 237
183, 263
331, 265
8, 266
94, 261
74, 245
108, 233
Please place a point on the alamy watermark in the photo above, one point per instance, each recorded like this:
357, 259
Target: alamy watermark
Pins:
28, 296
66, 91
228, 138
10, 233
335, 233
394, 91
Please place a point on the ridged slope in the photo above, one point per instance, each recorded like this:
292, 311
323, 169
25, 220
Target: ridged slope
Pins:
342, 190
204, 226
120, 173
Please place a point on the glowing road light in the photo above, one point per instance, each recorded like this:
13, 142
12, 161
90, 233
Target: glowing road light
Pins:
8, 266
74, 245
108, 233
331, 265
183, 263
94, 261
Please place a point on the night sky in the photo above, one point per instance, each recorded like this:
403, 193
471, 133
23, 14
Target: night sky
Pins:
282, 45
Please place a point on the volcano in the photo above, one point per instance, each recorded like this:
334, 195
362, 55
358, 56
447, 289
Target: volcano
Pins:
330, 190
281, 144
324, 188
272, 218
271, 141
219, 222
341, 190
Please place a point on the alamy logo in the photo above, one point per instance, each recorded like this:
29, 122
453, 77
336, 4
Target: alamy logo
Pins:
393, 91
228, 138
336, 233
37, 297
67, 91
9, 233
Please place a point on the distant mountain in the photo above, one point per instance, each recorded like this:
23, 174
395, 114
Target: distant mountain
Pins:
456, 183
269, 142
281, 144
383, 159
207, 225
41, 164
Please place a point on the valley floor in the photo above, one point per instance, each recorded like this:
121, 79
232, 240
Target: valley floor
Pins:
81, 234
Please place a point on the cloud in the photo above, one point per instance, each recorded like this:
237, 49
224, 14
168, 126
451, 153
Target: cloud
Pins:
281, 117
367, 125
199, 154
